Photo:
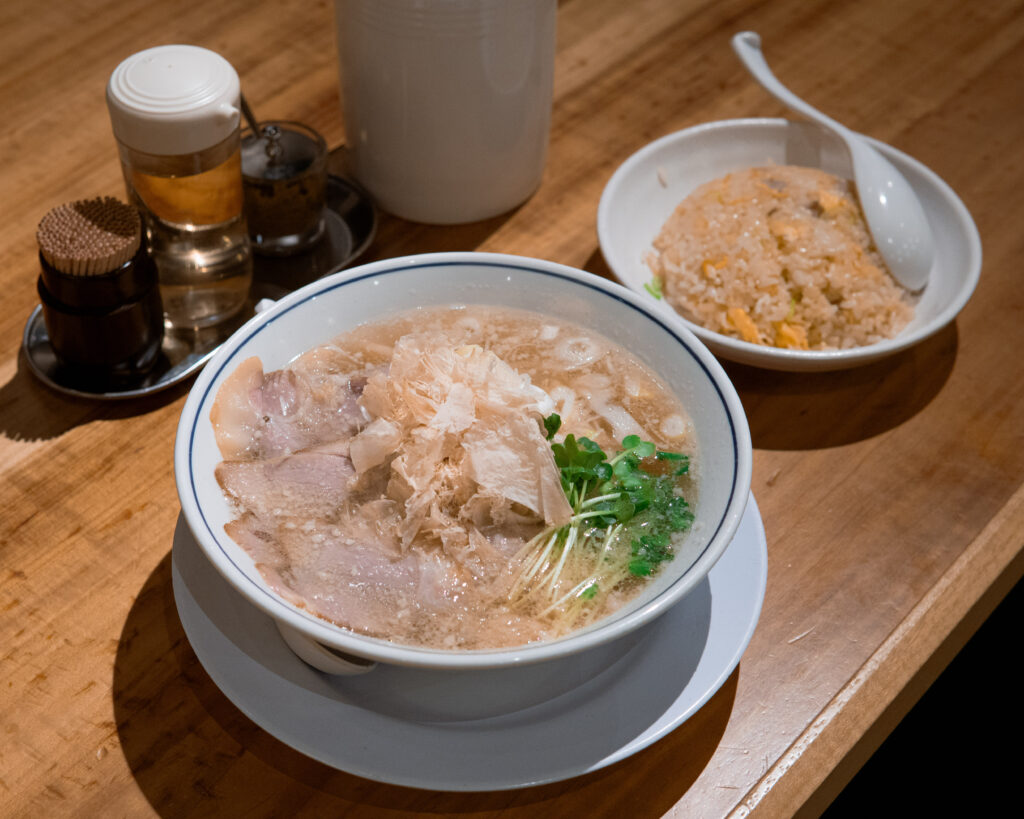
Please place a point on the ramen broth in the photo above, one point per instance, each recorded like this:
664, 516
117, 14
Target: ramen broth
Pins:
388, 481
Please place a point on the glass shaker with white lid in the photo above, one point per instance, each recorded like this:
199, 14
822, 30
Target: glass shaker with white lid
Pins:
175, 111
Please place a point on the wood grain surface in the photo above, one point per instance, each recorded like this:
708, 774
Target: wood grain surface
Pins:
891, 494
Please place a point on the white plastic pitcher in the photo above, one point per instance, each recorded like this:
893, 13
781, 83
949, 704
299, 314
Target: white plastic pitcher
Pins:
447, 103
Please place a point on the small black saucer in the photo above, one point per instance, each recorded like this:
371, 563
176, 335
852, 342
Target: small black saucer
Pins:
350, 225
181, 355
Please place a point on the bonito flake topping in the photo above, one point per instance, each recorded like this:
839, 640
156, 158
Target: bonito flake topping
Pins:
463, 431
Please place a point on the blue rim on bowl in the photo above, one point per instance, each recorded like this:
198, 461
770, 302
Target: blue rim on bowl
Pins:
645, 189
421, 279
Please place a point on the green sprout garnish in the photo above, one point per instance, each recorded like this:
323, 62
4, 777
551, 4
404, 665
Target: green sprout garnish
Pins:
654, 287
625, 510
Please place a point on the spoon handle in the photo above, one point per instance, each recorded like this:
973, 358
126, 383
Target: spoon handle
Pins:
250, 120
747, 45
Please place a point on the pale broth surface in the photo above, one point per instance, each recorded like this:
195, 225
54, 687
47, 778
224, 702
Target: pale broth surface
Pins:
388, 481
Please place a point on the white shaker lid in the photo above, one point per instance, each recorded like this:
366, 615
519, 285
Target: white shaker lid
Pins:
173, 100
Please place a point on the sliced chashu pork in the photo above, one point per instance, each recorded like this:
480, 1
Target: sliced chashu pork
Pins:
356, 581
258, 415
304, 485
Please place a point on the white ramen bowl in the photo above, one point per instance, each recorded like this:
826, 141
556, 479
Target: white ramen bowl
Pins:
322, 310
646, 188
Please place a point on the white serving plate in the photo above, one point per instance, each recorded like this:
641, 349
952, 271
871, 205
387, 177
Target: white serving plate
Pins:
362, 725
643, 192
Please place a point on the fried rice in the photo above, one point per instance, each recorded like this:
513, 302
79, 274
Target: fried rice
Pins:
779, 256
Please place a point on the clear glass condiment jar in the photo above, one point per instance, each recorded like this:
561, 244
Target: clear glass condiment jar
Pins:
176, 116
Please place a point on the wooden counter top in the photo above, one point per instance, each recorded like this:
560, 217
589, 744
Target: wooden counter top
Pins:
892, 495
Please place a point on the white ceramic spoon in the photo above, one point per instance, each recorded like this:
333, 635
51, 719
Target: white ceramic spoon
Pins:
894, 214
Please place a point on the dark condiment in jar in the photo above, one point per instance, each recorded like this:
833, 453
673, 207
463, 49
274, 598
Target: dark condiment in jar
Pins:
284, 175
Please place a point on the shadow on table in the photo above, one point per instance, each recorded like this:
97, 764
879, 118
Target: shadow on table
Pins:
192, 751
31, 411
788, 410
821, 410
